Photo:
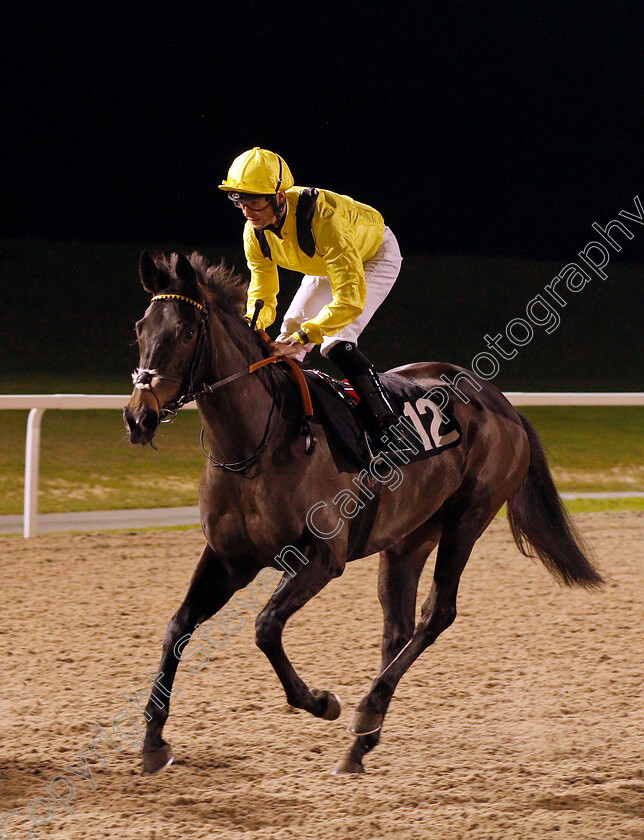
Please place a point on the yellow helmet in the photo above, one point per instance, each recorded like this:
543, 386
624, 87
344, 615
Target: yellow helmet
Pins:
258, 171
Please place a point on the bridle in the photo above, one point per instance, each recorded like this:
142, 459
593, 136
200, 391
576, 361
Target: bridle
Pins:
143, 377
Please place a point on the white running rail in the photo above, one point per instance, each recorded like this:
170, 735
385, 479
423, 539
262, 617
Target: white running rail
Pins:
39, 403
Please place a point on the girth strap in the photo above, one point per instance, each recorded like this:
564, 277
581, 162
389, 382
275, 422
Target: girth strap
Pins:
362, 522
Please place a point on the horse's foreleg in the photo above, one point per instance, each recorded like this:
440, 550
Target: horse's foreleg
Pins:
438, 612
297, 591
398, 574
211, 587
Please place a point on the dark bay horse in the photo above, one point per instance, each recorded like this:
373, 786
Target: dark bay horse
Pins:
258, 485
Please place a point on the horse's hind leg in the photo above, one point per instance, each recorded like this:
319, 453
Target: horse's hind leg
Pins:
398, 574
211, 587
438, 612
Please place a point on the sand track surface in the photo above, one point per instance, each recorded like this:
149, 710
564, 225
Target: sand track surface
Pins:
525, 719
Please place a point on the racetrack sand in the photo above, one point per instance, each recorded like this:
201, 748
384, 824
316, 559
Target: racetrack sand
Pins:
525, 719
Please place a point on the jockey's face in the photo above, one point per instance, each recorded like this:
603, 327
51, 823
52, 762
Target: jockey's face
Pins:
266, 215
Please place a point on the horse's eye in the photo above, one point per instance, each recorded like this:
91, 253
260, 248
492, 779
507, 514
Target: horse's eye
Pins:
188, 333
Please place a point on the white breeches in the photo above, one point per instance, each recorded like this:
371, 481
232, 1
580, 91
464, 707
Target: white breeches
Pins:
380, 272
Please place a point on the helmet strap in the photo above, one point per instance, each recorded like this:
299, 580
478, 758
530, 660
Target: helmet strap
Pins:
279, 177
278, 207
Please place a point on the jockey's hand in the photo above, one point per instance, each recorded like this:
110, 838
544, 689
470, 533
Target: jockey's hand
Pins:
288, 347
292, 348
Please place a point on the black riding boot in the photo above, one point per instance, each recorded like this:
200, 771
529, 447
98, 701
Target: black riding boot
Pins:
364, 379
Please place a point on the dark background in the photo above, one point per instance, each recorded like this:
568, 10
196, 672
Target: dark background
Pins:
490, 130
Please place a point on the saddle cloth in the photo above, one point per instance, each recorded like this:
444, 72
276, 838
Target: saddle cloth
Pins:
426, 429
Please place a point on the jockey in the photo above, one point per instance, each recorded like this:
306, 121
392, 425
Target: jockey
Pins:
349, 258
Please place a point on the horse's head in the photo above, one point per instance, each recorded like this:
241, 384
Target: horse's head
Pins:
170, 336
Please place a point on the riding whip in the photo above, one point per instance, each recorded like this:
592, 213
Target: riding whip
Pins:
258, 308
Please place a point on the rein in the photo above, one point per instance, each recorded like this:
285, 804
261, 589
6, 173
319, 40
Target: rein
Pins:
142, 379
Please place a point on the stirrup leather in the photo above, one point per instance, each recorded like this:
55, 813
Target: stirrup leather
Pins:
384, 415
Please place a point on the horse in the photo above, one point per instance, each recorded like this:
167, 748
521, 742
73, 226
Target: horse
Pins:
263, 480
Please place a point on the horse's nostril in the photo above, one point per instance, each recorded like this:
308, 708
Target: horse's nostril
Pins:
150, 419
128, 419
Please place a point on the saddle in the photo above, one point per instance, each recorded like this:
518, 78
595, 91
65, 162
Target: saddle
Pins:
424, 428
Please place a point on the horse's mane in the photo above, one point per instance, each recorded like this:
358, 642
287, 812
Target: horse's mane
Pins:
227, 287
228, 291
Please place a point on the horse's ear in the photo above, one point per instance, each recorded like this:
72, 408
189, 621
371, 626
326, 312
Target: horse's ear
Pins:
185, 272
149, 273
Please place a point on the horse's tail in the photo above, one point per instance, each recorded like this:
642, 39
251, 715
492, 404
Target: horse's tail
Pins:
539, 520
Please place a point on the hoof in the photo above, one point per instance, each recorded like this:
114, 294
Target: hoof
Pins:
157, 760
365, 723
333, 704
346, 765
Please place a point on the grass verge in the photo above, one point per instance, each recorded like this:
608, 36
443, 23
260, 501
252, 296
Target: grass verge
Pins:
87, 463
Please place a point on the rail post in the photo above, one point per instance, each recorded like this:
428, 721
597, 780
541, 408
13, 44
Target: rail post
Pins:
32, 465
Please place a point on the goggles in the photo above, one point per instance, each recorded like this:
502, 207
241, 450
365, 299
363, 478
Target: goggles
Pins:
250, 200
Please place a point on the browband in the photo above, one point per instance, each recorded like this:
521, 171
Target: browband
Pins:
199, 306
